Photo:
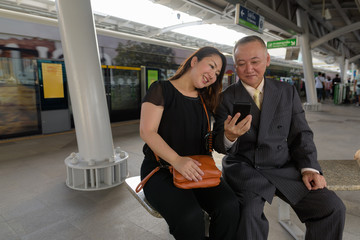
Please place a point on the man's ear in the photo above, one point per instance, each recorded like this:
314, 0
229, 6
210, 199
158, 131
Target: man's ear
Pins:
268, 60
194, 61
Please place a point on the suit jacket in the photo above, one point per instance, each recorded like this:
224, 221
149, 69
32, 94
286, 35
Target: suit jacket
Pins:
270, 156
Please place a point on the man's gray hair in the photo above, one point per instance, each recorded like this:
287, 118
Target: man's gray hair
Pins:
247, 39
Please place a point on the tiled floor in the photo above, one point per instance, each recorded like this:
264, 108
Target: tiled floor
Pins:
36, 204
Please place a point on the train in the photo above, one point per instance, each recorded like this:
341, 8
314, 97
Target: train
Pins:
33, 81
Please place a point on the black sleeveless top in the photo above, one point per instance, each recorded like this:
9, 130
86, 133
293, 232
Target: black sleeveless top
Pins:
183, 125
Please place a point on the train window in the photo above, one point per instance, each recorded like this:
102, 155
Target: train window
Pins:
19, 109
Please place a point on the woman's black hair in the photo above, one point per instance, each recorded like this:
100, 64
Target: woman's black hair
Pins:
210, 94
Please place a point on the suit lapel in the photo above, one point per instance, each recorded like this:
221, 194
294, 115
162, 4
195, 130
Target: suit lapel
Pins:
272, 95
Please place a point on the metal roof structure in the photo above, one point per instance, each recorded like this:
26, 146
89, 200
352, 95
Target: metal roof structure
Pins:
333, 24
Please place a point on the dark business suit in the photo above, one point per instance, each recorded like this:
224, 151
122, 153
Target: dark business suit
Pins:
268, 160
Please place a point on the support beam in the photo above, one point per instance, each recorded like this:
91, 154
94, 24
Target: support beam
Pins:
170, 28
97, 165
344, 16
311, 98
275, 17
354, 58
336, 33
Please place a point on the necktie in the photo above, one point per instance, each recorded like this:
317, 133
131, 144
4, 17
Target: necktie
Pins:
257, 98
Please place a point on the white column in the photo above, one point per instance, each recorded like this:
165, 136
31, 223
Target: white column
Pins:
43, 51
86, 84
96, 165
342, 64
16, 63
304, 40
352, 71
345, 75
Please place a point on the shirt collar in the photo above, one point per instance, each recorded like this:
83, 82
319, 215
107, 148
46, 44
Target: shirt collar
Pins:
251, 90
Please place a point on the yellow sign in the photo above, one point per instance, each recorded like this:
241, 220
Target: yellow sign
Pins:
52, 80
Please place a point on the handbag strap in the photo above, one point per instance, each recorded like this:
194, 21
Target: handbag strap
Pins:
208, 121
142, 183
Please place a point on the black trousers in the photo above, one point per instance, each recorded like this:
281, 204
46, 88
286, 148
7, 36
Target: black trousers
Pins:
183, 209
321, 210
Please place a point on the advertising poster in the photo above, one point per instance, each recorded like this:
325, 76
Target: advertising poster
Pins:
52, 80
152, 76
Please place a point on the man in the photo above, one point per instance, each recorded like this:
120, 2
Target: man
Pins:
319, 85
271, 151
336, 80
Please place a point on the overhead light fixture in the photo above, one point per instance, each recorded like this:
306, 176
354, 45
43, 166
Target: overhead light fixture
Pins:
327, 14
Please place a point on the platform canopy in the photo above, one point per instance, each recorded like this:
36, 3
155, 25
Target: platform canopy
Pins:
334, 24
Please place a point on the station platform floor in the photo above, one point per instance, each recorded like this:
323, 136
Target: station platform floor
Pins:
36, 204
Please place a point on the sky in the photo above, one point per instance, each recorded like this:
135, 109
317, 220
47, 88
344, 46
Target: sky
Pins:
149, 13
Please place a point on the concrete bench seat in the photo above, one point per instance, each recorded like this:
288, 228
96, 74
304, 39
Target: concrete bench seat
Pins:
132, 183
339, 174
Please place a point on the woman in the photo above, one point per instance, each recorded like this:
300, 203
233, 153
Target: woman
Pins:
173, 124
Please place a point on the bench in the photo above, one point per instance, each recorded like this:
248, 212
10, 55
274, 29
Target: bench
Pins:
132, 183
283, 213
339, 174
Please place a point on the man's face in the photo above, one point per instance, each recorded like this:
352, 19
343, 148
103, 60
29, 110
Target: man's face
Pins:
251, 60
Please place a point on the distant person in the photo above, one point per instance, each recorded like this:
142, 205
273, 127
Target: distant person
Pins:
271, 151
319, 85
336, 80
173, 124
324, 90
357, 89
328, 87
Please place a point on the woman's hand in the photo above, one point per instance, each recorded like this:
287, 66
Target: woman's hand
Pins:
233, 130
189, 168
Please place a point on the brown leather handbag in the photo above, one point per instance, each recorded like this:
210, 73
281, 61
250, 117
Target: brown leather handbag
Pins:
211, 177
212, 174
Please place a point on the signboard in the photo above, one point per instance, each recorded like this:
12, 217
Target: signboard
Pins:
52, 85
292, 53
282, 43
152, 76
52, 80
148, 76
249, 19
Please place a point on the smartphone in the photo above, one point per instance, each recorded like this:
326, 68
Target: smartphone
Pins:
243, 108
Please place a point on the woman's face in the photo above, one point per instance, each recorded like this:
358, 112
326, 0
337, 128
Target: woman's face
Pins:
205, 72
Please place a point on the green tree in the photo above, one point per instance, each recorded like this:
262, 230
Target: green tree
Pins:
136, 54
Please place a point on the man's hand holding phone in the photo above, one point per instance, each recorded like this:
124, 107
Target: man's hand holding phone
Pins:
240, 122
243, 108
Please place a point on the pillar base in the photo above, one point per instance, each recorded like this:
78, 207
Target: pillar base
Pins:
312, 107
94, 175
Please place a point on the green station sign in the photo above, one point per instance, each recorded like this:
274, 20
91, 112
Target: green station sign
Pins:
249, 19
282, 43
